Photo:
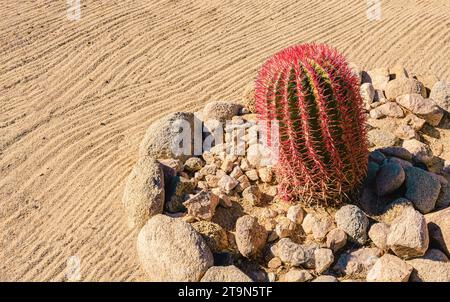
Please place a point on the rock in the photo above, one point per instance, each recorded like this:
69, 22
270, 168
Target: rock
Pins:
214, 235
295, 214
178, 192
220, 111
290, 252
265, 174
323, 259
244, 182
336, 239
209, 169
236, 173
444, 196
398, 71
250, 236
390, 109
379, 77
408, 235
426, 109
406, 132
227, 166
227, 183
440, 93
325, 278
144, 192
367, 93
202, 205
414, 122
259, 156
390, 177
420, 151
354, 222
432, 267
296, 275
403, 163
271, 277
398, 87
193, 164
439, 229
321, 226
378, 234
377, 157
252, 194
274, 263
389, 268
284, 228
357, 263
248, 97
225, 274
163, 135
399, 152
185, 257
394, 209
422, 189
381, 138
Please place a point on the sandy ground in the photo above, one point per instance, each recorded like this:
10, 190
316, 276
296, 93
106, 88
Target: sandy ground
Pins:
77, 97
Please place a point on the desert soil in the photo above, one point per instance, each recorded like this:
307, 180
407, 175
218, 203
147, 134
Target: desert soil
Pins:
77, 96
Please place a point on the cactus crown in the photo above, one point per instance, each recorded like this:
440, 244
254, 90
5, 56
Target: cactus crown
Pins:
313, 94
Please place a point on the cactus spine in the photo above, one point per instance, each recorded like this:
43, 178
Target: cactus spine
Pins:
313, 94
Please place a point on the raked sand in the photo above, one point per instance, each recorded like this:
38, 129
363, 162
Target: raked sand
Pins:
77, 97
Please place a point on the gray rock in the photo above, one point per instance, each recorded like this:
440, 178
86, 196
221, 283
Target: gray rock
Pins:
225, 274
439, 228
162, 137
408, 236
426, 109
444, 196
390, 177
220, 111
403, 163
377, 157
440, 93
422, 189
250, 236
389, 268
293, 254
399, 152
357, 263
354, 222
432, 267
185, 257
144, 192
401, 86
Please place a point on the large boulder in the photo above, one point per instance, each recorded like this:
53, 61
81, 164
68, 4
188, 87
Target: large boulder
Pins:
401, 86
144, 192
225, 274
439, 228
170, 137
432, 267
422, 189
390, 177
408, 235
170, 249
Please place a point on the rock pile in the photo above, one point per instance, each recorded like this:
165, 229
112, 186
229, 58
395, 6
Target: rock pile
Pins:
215, 217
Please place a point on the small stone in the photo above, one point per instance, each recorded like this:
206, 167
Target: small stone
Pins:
259, 156
322, 225
325, 278
432, 267
408, 236
402, 86
379, 77
295, 214
224, 199
210, 169
245, 165
367, 93
308, 223
378, 234
237, 172
265, 174
390, 109
289, 252
252, 175
323, 259
426, 109
284, 228
274, 263
244, 182
212, 181
439, 229
203, 205
227, 183
214, 235
422, 189
406, 132
440, 93
227, 166
354, 222
389, 268
178, 192
250, 236
399, 152
225, 274
420, 151
381, 138
296, 275
252, 194
336, 239
271, 277
193, 164
390, 177
357, 263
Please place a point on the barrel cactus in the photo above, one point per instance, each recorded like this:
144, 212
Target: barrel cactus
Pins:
314, 96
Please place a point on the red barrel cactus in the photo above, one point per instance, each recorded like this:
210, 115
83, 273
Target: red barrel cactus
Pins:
313, 94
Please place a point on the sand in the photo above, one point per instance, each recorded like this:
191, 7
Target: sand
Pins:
77, 96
